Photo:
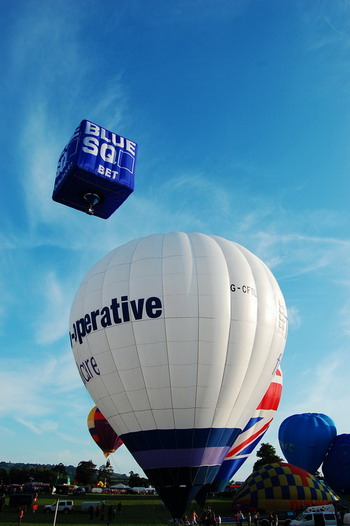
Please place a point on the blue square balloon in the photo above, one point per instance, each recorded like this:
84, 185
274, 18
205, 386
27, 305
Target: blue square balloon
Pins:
95, 172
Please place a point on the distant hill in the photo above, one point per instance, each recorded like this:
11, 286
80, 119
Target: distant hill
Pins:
21, 465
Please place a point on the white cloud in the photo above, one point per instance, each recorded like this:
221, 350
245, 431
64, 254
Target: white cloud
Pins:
302, 253
31, 387
345, 315
321, 389
6, 432
38, 428
28, 424
294, 318
55, 310
66, 437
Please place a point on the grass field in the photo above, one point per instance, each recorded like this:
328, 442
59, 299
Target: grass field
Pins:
142, 510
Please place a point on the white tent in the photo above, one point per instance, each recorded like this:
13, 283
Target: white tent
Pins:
143, 490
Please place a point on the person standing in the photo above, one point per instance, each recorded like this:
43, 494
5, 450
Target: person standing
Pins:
239, 517
109, 515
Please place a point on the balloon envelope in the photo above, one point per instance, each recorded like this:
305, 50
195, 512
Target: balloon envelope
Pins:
282, 486
252, 433
102, 433
176, 336
336, 465
95, 171
305, 438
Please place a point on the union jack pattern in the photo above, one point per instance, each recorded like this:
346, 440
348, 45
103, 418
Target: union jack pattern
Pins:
251, 435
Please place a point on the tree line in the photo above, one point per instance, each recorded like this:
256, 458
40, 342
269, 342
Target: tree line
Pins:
87, 474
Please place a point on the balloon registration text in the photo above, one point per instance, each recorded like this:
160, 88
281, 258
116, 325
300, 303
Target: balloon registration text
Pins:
246, 289
117, 312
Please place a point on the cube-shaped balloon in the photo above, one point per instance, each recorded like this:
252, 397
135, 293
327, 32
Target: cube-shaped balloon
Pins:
95, 171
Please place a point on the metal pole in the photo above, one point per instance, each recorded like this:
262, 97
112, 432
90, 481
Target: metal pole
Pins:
56, 510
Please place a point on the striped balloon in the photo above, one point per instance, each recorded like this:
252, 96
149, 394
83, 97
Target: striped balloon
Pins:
102, 433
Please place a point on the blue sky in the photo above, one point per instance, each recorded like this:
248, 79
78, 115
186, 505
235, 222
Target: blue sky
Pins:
241, 113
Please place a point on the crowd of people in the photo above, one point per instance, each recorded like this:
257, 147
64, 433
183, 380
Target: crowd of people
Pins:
210, 518
253, 519
102, 512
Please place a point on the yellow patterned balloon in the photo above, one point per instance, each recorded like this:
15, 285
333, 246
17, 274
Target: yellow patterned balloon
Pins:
280, 486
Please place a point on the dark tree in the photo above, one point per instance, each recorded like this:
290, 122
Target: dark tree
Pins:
106, 474
135, 481
266, 455
41, 474
19, 475
60, 469
61, 475
86, 473
4, 476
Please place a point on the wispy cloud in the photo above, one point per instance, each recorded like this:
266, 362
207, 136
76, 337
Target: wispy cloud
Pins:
38, 428
306, 253
345, 315
28, 424
55, 312
321, 389
294, 317
31, 387
327, 34
69, 437
339, 32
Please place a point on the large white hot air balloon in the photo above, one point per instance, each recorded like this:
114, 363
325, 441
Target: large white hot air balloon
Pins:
176, 337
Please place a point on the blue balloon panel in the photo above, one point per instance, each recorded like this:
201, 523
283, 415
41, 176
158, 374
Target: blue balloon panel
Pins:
180, 462
336, 466
95, 171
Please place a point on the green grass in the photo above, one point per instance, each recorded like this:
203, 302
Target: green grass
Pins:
143, 510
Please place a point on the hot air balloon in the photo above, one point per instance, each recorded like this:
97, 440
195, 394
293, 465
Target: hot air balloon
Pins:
95, 171
251, 435
336, 465
305, 438
281, 486
103, 434
175, 336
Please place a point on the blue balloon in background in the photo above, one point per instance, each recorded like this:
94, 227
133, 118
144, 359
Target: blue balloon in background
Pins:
336, 465
305, 439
